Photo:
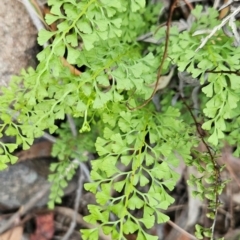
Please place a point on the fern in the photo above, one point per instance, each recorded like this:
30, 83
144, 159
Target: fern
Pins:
139, 149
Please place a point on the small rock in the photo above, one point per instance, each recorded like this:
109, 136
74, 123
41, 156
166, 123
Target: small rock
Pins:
23, 180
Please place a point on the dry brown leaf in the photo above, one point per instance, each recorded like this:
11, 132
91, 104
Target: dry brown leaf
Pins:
44, 227
37, 150
12, 234
194, 204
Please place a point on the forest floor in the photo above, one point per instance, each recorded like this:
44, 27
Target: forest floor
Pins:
23, 200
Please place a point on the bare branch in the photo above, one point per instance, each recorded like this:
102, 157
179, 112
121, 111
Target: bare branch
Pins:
72, 125
76, 205
181, 230
224, 21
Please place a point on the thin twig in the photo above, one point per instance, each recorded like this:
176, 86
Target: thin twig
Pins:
165, 52
82, 170
76, 205
24, 209
68, 212
74, 133
216, 4
49, 137
215, 164
181, 230
85, 171
190, 6
72, 125
33, 15
231, 208
183, 2
224, 21
174, 208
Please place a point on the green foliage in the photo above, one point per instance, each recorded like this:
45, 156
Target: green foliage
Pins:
64, 171
139, 149
218, 55
125, 144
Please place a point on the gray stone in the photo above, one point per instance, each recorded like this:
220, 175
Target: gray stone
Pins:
23, 180
17, 40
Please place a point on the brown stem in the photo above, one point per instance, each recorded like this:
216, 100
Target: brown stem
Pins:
216, 166
171, 9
